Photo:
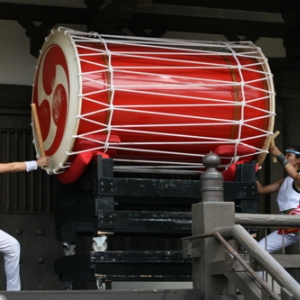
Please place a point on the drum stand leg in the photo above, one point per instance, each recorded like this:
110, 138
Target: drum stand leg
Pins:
69, 249
99, 243
68, 285
101, 282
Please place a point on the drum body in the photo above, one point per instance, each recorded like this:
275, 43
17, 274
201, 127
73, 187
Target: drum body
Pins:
151, 103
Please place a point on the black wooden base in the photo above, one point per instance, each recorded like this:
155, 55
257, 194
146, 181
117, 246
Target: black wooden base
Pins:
124, 266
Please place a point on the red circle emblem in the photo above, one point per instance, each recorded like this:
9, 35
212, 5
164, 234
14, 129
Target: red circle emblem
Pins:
50, 95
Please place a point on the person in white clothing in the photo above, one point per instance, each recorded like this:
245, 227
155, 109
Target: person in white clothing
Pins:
288, 198
9, 246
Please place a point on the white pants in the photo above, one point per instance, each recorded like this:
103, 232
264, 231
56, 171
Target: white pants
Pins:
275, 241
10, 247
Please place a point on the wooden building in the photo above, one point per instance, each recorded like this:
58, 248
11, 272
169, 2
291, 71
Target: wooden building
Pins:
28, 201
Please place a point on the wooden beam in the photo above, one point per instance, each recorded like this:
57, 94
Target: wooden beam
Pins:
275, 6
41, 13
152, 21
113, 11
207, 25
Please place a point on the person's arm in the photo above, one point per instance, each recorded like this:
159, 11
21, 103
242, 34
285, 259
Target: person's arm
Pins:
288, 167
24, 165
292, 172
42, 162
12, 167
270, 188
275, 186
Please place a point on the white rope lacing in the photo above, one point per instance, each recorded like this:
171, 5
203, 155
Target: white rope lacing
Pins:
154, 58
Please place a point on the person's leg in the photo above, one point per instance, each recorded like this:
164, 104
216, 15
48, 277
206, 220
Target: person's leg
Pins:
275, 241
10, 247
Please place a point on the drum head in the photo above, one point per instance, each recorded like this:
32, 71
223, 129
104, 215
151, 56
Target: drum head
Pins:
55, 83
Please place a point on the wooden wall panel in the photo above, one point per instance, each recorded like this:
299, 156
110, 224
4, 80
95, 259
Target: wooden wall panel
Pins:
36, 235
24, 192
21, 192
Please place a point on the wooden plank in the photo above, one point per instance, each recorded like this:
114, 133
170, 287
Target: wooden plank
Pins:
176, 294
267, 220
159, 222
163, 188
288, 261
124, 266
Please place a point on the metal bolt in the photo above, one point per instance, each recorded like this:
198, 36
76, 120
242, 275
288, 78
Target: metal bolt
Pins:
18, 231
40, 232
40, 260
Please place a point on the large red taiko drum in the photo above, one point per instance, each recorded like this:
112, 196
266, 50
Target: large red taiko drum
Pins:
151, 104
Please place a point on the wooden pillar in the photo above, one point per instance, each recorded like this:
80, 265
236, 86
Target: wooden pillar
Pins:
289, 88
289, 92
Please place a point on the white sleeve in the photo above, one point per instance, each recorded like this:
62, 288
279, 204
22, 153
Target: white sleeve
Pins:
31, 165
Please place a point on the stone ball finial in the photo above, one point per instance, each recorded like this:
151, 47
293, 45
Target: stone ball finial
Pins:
212, 189
211, 160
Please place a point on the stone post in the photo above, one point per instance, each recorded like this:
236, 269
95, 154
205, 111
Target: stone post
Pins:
211, 213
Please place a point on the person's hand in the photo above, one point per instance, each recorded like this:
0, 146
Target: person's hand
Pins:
275, 151
43, 162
